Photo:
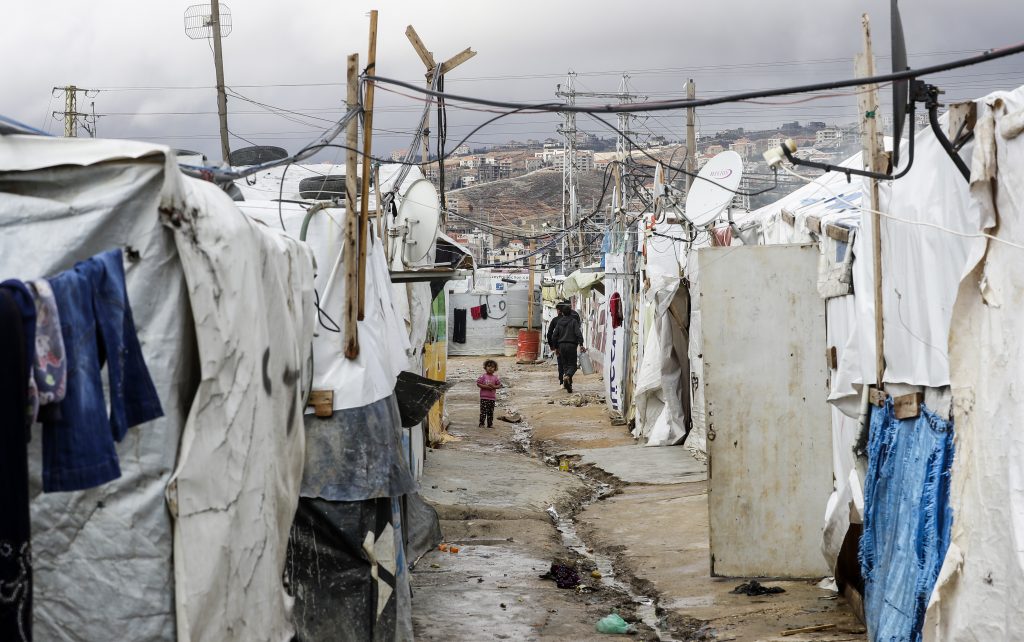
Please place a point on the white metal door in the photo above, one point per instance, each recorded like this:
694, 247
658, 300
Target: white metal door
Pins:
765, 379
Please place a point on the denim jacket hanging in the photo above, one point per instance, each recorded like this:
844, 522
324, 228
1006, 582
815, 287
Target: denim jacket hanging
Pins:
97, 327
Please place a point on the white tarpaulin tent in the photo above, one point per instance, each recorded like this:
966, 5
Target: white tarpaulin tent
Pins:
223, 310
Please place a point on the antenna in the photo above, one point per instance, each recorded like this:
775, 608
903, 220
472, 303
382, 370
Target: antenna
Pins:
900, 88
714, 188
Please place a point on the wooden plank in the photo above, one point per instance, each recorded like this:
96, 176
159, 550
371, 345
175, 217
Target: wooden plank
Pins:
788, 217
322, 402
908, 406
350, 247
837, 232
831, 357
421, 50
457, 60
814, 224
364, 210
877, 397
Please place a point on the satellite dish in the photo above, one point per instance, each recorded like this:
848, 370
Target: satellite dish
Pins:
900, 88
714, 188
415, 227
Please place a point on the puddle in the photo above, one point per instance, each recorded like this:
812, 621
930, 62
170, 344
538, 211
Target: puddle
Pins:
645, 606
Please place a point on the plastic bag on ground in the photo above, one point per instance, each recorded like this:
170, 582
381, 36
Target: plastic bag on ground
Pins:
613, 623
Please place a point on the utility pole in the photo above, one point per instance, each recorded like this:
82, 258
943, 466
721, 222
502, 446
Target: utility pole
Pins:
71, 115
350, 246
215, 25
570, 179
222, 99
533, 259
364, 210
691, 139
570, 209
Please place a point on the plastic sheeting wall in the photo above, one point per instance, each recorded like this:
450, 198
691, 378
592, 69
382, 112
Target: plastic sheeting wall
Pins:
49, 219
769, 444
483, 336
978, 595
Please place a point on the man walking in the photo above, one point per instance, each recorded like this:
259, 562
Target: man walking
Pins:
552, 338
565, 333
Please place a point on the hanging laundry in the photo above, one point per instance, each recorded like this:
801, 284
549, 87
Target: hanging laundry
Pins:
483, 311
49, 369
615, 309
721, 236
97, 326
17, 344
459, 326
475, 312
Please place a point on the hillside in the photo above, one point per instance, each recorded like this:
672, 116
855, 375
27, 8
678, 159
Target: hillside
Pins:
530, 199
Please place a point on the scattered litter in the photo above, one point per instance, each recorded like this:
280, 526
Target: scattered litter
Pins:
753, 587
511, 417
809, 629
453, 550
563, 465
828, 584
564, 576
552, 402
580, 399
435, 566
596, 574
502, 605
479, 580
443, 547
613, 623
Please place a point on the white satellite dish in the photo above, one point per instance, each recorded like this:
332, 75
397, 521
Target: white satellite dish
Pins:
708, 198
413, 232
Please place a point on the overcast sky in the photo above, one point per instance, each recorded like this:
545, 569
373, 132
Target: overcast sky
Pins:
157, 84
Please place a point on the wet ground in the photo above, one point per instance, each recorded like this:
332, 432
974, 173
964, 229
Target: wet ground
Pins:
631, 520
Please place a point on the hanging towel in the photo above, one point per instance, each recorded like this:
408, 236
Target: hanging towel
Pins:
459, 327
475, 312
483, 311
721, 236
615, 309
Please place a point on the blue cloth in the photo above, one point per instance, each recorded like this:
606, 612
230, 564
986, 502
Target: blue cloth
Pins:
907, 520
97, 327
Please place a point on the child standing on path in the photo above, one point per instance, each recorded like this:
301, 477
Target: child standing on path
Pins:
488, 384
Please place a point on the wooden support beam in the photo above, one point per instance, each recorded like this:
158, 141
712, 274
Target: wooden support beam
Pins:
814, 224
322, 402
877, 397
421, 49
832, 357
457, 60
908, 406
364, 211
350, 247
837, 232
788, 217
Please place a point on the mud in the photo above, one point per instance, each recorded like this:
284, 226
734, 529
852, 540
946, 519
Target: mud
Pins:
644, 529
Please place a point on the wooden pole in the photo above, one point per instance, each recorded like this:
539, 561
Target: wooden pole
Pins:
218, 63
691, 138
364, 212
529, 300
875, 160
351, 244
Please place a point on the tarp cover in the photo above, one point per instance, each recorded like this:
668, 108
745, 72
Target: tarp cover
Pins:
906, 519
236, 484
96, 578
978, 596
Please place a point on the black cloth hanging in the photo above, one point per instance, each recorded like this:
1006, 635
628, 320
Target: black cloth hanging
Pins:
483, 311
17, 349
459, 327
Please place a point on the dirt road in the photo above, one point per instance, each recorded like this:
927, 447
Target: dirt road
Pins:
632, 521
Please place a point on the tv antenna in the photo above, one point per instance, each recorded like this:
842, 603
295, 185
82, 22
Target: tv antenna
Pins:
713, 189
213, 22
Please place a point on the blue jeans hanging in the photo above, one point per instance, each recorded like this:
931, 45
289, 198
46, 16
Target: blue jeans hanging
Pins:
97, 326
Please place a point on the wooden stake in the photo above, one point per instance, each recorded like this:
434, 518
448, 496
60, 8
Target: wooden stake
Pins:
364, 215
875, 160
351, 245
